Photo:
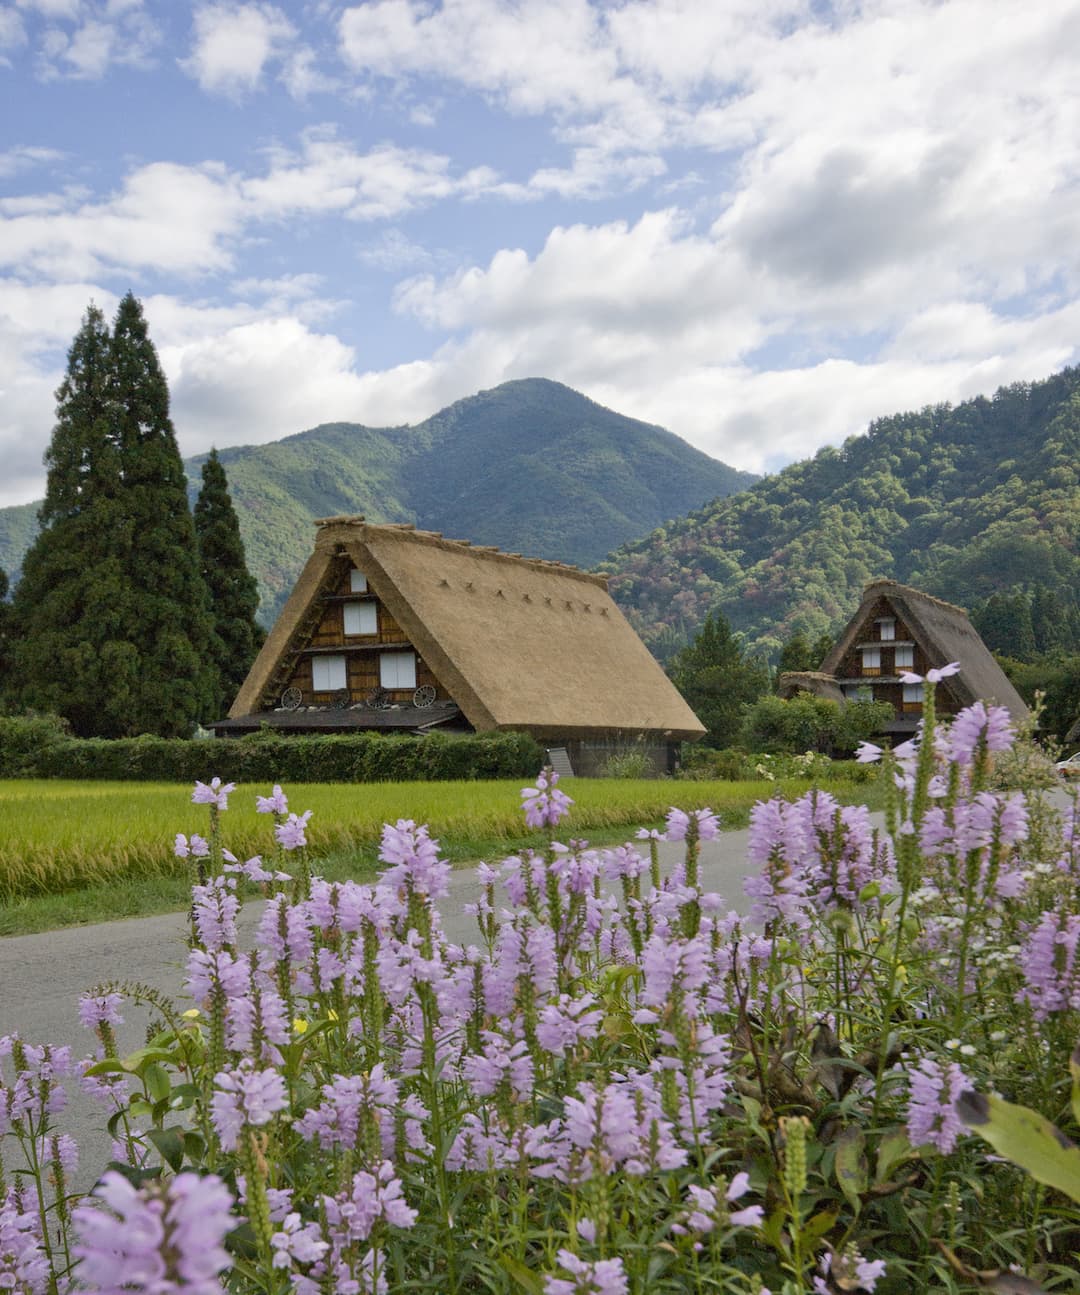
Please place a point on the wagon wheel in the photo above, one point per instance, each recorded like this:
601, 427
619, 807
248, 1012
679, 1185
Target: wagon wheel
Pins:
423, 697
291, 698
379, 699
340, 699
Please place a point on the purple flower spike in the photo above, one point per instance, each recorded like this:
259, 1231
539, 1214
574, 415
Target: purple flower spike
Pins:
196, 848
102, 1009
545, 805
931, 1118
290, 834
245, 1097
166, 1236
276, 803
678, 824
990, 726
23, 1265
602, 1277
213, 793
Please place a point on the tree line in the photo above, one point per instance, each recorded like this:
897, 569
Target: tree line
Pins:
133, 614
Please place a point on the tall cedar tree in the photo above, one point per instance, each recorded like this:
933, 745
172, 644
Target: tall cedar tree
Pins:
111, 618
234, 594
718, 680
5, 634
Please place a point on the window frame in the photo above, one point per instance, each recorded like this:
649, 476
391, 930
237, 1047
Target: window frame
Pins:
335, 681
398, 659
359, 607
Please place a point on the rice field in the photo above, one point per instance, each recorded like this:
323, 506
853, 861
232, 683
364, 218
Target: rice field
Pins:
58, 836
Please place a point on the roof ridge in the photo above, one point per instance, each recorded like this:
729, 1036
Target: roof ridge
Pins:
910, 590
484, 552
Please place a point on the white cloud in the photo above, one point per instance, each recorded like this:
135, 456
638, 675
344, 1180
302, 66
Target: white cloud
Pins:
187, 220
12, 34
25, 158
57, 9
97, 36
233, 43
166, 217
330, 175
394, 252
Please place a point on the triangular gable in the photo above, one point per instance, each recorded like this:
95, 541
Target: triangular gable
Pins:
518, 643
944, 633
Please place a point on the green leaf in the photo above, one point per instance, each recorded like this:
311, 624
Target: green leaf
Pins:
850, 1164
1026, 1138
156, 1079
1074, 1069
170, 1143
136, 1062
893, 1149
524, 1277
109, 1066
815, 1228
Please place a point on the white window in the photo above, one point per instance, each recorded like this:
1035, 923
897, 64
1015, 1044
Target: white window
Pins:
397, 670
361, 618
913, 692
905, 658
888, 629
871, 658
328, 673
357, 582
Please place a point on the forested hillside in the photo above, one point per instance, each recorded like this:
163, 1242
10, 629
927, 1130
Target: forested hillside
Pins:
531, 466
962, 501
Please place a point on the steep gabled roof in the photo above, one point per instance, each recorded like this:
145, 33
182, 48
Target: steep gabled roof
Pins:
519, 643
945, 634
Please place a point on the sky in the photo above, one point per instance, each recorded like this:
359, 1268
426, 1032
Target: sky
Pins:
758, 223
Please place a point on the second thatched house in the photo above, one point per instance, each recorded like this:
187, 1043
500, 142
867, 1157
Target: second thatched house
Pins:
391, 628
899, 630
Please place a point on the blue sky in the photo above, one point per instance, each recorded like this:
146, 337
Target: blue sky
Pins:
759, 223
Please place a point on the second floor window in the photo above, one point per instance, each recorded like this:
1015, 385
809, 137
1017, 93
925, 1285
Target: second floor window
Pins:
871, 660
361, 618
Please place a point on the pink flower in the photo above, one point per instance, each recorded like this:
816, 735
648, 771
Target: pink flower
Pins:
276, 803
213, 793
544, 804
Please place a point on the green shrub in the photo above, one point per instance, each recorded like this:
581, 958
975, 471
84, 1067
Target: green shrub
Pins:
267, 757
24, 737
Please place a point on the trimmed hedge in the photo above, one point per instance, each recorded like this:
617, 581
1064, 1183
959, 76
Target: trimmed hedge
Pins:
32, 748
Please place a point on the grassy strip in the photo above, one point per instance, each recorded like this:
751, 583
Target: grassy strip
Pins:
77, 852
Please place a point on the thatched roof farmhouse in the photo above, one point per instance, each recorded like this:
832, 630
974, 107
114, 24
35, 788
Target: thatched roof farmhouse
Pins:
389, 627
900, 630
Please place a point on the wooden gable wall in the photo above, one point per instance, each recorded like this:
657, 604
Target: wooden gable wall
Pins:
324, 636
884, 681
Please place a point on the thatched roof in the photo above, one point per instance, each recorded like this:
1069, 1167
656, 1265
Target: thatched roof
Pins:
793, 682
945, 634
519, 643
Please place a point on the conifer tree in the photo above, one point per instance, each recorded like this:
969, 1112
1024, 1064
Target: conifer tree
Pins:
110, 615
718, 680
169, 617
1049, 621
234, 594
5, 631
70, 653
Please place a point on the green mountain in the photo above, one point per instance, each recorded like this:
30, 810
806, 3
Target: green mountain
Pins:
531, 466
963, 501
